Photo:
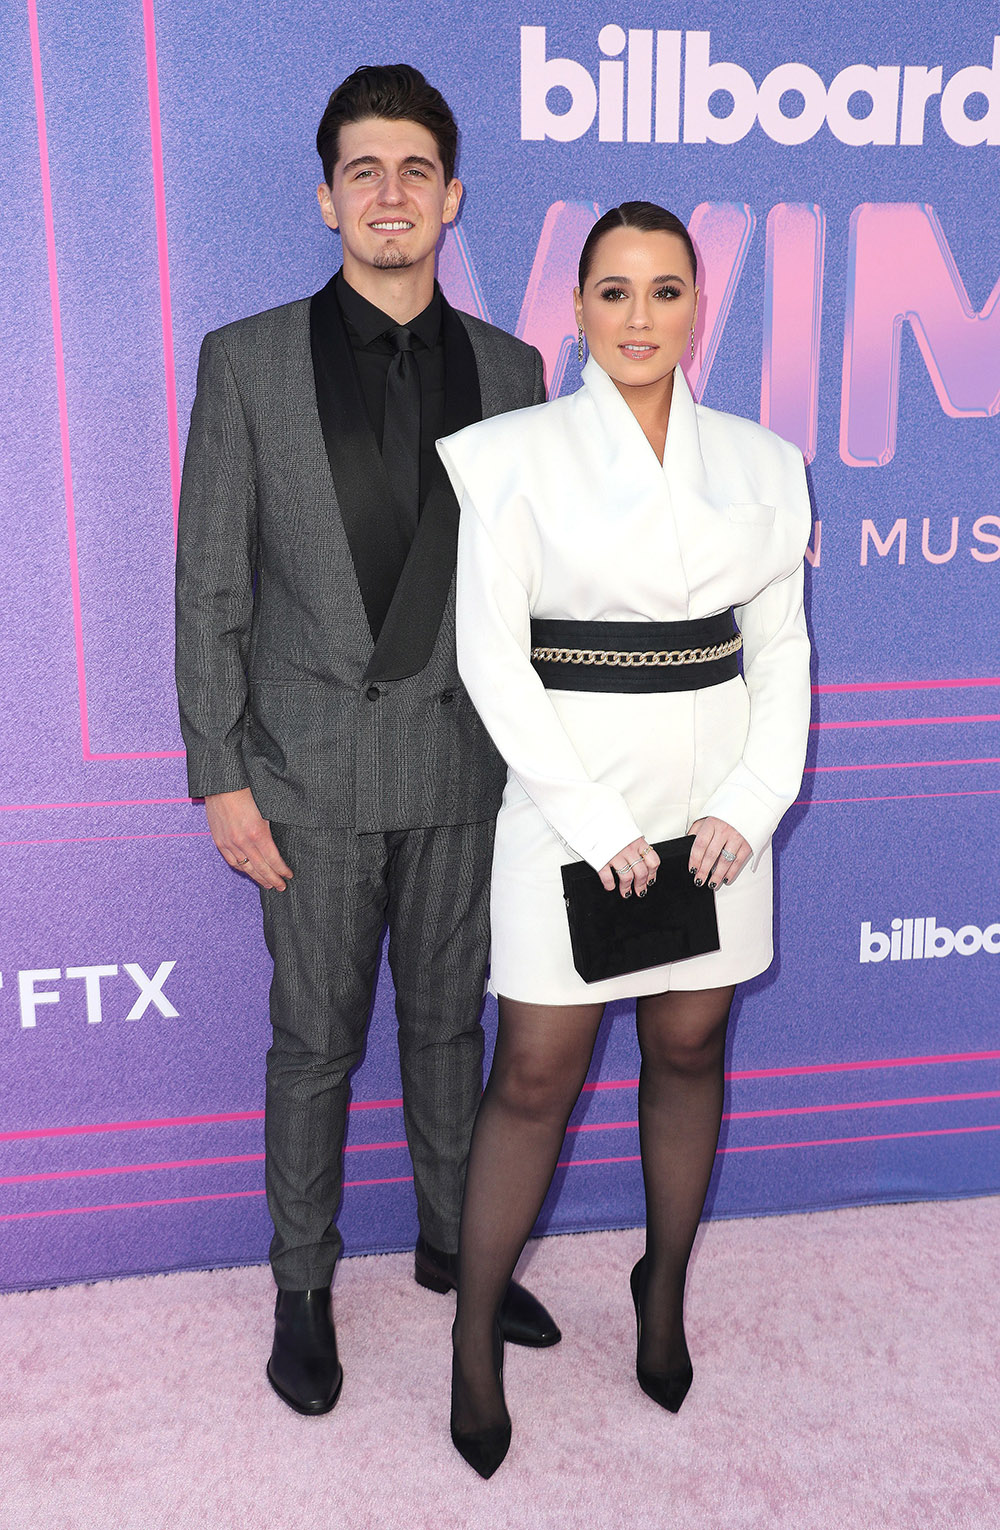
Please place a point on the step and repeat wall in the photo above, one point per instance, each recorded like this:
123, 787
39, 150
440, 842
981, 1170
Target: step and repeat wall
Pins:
159, 180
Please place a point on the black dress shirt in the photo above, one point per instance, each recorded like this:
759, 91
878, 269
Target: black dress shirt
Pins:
367, 328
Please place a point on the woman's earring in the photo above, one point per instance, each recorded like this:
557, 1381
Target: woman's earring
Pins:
579, 343
692, 342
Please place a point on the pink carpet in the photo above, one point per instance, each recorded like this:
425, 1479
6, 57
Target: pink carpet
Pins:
846, 1377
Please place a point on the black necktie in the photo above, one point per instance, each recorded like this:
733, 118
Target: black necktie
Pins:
401, 431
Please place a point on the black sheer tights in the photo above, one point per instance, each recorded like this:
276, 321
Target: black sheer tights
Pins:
539, 1067
682, 1039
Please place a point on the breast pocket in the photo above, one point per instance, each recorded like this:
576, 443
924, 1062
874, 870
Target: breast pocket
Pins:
751, 514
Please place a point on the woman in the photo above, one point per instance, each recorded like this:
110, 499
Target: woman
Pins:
625, 502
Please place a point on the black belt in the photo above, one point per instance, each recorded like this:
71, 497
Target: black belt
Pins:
636, 657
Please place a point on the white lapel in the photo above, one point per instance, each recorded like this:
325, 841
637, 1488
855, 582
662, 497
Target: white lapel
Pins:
690, 528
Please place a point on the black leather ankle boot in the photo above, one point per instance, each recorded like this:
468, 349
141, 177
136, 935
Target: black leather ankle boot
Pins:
303, 1368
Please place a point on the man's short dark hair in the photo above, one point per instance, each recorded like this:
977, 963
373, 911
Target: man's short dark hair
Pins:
394, 91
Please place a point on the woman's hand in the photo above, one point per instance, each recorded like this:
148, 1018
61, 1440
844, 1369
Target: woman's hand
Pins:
719, 852
635, 868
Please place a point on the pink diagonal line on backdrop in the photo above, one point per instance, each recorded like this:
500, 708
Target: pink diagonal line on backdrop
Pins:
130, 1168
35, 1133
990, 791
875, 1062
815, 770
140, 754
32, 807
902, 685
573, 1163
808, 1110
771, 1147
804, 1069
174, 1163
176, 1200
183, 1200
60, 370
39, 807
939, 1131
600, 1126
103, 839
216, 1118
906, 722
160, 205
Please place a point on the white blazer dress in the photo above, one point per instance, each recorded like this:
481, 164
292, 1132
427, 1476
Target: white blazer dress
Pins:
567, 513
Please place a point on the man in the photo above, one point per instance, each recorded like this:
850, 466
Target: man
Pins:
343, 767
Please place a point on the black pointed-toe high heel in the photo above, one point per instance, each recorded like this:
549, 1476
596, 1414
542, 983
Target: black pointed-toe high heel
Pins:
484, 1449
668, 1388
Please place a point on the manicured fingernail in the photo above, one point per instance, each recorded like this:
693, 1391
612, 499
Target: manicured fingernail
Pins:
627, 893
697, 881
713, 885
651, 882
641, 892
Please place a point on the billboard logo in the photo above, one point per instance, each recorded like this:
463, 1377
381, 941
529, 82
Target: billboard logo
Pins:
642, 93
919, 939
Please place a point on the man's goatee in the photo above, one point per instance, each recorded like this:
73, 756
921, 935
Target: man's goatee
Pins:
392, 260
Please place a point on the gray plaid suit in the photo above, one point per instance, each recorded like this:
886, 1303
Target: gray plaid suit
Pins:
379, 781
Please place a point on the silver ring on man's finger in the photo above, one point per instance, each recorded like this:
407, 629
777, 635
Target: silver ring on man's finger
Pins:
727, 855
244, 862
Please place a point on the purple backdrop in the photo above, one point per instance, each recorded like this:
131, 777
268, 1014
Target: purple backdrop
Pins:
159, 180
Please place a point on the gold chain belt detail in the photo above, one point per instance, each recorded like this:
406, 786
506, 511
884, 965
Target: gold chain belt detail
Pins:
614, 656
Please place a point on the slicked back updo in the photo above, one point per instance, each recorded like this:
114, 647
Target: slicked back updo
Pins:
647, 218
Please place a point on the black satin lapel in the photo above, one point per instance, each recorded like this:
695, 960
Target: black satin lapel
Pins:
410, 630
377, 541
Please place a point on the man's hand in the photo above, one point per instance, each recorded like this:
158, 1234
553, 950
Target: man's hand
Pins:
243, 838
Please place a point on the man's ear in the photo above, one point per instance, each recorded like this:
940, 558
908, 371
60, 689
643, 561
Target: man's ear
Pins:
327, 210
452, 198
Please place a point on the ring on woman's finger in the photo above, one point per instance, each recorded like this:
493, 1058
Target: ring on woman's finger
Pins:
727, 855
629, 866
244, 862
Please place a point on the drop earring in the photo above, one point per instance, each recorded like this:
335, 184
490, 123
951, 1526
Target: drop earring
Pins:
692, 342
579, 343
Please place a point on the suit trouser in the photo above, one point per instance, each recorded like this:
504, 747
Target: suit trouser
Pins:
324, 933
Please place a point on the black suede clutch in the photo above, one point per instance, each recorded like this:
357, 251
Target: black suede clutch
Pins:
612, 935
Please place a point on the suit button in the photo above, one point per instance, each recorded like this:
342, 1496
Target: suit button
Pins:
373, 693
447, 697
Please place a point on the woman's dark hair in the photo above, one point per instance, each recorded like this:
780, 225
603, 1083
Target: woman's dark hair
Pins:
648, 218
395, 91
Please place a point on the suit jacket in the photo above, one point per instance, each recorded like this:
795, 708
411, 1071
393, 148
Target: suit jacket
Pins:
281, 686
567, 513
